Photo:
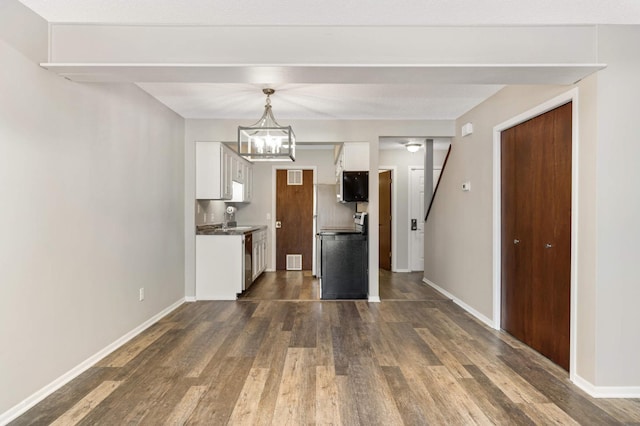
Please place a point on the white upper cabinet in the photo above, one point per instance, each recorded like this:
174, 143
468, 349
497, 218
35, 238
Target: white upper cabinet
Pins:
217, 168
353, 156
248, 182
213, 172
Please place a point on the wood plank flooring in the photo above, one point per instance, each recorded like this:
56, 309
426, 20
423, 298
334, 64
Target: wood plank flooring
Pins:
417, 359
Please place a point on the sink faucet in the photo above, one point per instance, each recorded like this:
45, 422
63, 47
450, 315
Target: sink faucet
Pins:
229, 216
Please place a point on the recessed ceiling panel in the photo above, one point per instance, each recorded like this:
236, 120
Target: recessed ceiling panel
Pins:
321, 101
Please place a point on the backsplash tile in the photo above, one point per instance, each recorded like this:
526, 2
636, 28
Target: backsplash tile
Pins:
209, 211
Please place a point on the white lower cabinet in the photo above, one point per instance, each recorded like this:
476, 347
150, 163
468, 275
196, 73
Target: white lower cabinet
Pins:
219, 266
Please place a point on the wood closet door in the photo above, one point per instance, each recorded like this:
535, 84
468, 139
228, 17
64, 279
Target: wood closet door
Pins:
536, 233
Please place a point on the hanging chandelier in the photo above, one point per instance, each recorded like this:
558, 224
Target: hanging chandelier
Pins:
266, 140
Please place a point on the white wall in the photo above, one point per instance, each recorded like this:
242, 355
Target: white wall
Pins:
92, 182
618, 208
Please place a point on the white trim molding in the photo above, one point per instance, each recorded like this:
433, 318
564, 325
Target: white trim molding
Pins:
606, 391
47, 390
374, 299
569, 96
460, 303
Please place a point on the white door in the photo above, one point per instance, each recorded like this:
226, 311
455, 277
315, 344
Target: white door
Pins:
436, 177
416, 212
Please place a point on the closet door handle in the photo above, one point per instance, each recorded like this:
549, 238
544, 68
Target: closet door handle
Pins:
516, 241
548, 246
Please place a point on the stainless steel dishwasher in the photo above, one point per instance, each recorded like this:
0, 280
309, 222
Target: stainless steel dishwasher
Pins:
248, 260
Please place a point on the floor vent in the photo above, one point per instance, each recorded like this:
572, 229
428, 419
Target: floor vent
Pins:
294, 262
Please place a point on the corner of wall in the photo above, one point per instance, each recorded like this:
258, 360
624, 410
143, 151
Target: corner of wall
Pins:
24, 30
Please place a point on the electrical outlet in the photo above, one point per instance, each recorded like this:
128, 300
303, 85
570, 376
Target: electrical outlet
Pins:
211, 218
141, 294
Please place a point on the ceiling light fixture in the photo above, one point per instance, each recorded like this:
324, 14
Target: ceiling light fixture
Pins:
413, 146
266, 140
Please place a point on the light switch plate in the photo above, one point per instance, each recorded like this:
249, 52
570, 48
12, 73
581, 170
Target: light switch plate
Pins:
466, 186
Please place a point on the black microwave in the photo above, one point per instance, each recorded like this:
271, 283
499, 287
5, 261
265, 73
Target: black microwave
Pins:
353, 187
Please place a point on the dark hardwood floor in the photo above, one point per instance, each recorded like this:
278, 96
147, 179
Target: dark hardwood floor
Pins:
280, 356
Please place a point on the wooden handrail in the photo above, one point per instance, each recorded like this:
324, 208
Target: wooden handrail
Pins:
433, 196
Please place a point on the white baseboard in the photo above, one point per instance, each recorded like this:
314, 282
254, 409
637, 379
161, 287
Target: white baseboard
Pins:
374, 299
402, 270
606, 391
218, 297
460, 303
41, 394
190, 299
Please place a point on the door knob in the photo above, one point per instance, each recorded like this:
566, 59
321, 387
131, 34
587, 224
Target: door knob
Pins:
548, 245
516, 241
278, 224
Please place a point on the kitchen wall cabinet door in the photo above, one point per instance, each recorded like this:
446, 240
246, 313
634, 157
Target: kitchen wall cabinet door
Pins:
214, 169
248, 182
353, 157
227, 174
240, 167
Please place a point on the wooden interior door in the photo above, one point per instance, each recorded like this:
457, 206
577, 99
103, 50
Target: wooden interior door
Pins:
536, 233
384, 243
294, 214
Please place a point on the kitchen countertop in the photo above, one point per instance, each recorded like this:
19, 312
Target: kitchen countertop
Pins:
235, 230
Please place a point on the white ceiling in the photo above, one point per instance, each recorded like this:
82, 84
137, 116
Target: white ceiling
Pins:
414, 100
